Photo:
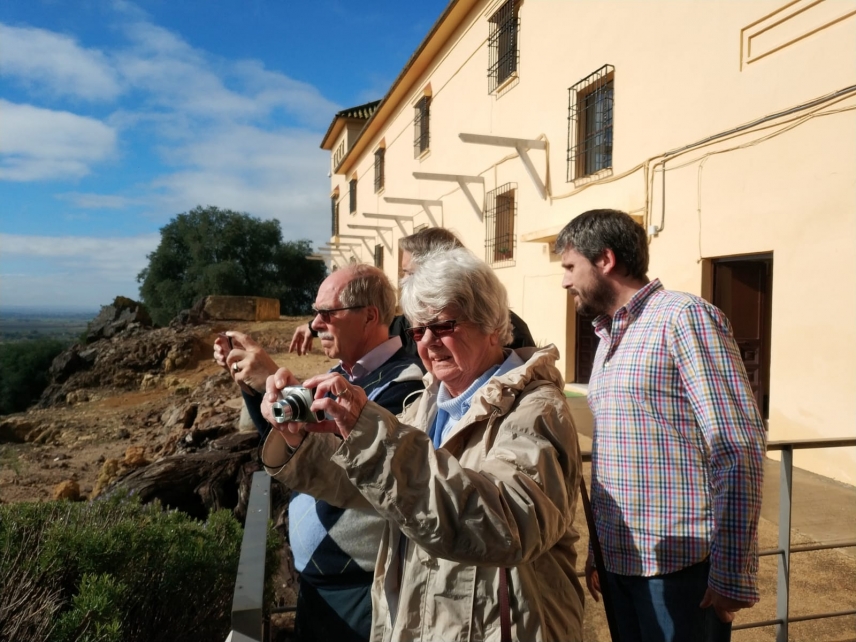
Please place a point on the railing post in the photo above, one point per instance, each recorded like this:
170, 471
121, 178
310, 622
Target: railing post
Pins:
248, 601
783, 586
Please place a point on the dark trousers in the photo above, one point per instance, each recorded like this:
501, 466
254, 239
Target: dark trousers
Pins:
665, 608
333, 614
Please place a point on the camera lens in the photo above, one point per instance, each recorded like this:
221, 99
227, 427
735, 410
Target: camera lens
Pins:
290, 408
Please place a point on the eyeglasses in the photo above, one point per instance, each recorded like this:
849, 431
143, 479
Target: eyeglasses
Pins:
326, 313
438, 329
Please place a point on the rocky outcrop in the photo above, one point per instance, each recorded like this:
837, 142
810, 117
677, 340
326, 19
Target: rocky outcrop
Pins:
136, 358
114, 319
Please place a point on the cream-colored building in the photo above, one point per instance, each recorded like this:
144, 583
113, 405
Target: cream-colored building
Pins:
728, 128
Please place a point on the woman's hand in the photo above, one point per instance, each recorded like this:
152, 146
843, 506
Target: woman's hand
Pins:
221, 350
301, 342
341, 402
338, 399
292, 432
248, 363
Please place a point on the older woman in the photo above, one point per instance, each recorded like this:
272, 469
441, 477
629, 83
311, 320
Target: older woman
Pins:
477, 479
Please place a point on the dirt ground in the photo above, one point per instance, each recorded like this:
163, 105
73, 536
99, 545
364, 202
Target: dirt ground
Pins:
105, 426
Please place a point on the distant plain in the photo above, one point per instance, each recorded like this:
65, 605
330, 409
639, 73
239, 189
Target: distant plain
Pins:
23, 324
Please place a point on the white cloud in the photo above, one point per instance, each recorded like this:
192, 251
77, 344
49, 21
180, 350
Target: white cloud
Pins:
44, 144
56, 63
180, 78
278, 174
277, 91
70, 270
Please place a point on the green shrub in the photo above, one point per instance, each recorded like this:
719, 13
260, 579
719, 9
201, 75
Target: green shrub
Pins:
24, 371
116, 570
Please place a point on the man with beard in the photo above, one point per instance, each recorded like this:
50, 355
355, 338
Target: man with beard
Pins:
677, 457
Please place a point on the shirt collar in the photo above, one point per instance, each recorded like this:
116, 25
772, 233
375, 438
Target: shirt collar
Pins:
634, 306
375, 358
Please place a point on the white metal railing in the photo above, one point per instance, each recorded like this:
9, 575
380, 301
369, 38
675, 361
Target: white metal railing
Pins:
248, 600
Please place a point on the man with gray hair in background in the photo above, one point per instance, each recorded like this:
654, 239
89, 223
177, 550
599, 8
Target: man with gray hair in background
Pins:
414, 249
335, 549
677, 457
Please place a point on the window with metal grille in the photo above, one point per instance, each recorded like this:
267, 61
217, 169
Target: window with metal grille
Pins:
502, 44
500, 241
590, 117
379, 158
334, 206
339, 154
378, 256
421, 126
353, 191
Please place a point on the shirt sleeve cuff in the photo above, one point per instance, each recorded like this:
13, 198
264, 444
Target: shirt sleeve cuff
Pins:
742, 587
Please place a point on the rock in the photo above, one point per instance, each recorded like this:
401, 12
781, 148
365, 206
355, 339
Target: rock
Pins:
243, 308
245, 422
108, 473
189, 416
16, 430
122, 433
151, 381
68, 489
47, 435
76, 396
113, 319
66, 364
135, 456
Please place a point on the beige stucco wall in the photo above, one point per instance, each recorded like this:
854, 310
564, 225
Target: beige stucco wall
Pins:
684, 71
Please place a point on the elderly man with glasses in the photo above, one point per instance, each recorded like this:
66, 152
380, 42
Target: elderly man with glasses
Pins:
335, 549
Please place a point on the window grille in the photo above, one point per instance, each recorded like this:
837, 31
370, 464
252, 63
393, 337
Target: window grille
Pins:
379, 159
500, 214
590, 119
502, 44
421, 126
353, 191
334, 206
378, 256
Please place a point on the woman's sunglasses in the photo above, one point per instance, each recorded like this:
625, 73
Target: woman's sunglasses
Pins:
438, 329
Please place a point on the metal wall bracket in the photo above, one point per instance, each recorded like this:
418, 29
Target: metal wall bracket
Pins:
522, 145
462, 181
424, 203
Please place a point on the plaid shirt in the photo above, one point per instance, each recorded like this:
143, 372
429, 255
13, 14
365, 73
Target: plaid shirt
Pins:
677, 460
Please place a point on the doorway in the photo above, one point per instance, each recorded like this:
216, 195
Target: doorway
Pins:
585, 345
742, 288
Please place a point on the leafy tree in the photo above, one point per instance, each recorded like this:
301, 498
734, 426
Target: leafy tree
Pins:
209, 251
24, 371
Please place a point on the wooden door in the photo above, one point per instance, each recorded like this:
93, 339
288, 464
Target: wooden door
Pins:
586, 346
741, 289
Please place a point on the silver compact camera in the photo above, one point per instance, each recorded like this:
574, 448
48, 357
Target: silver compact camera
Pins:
294, 405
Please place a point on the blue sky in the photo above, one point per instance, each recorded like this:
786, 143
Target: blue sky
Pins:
115, 116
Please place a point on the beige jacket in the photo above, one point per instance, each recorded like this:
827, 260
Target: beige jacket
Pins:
501, 492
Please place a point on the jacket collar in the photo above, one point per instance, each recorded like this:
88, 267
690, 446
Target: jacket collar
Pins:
499, 393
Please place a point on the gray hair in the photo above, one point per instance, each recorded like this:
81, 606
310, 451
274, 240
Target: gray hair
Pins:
456, 277
593, 232
431, 239
369, 286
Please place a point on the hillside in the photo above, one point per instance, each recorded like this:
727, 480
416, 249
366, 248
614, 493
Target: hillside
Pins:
130, 400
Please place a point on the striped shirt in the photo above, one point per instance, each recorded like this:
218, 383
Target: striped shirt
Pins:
677, 459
